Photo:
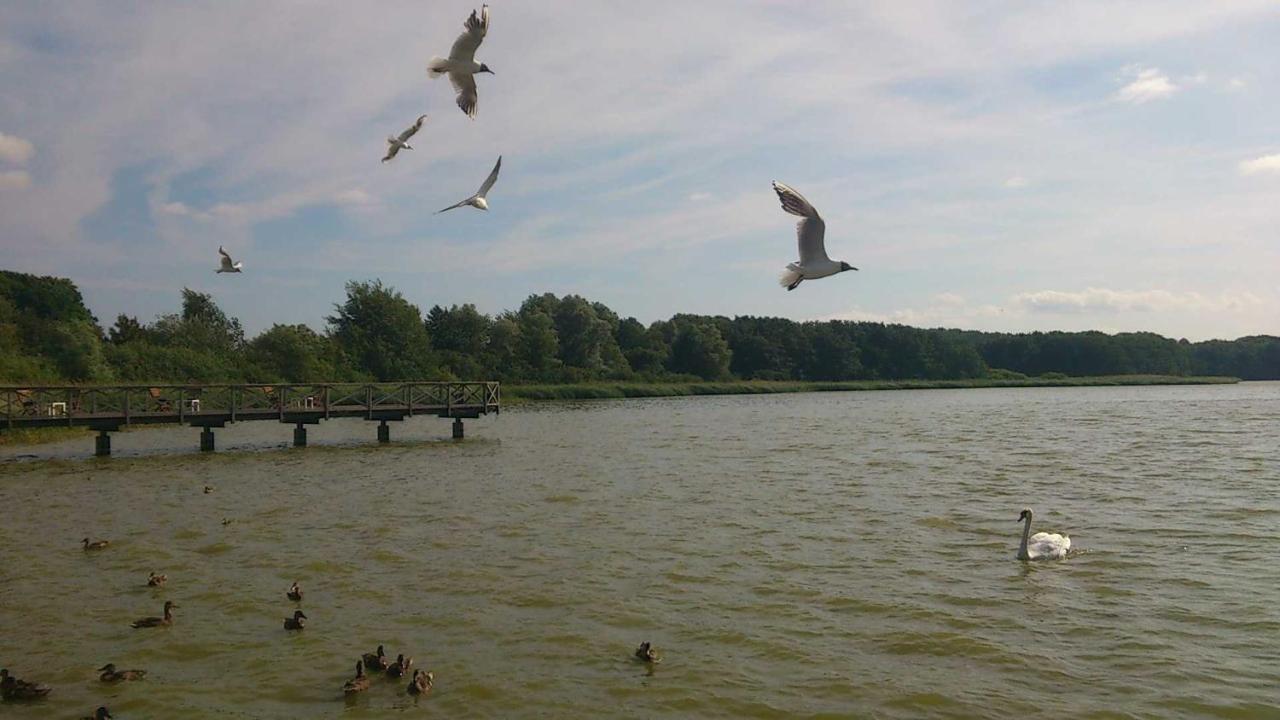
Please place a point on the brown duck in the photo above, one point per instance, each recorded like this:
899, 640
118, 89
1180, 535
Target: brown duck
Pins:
295, 593
400, 666
111, 674
11, 688
165, 621
647, 653
421, 682
100, 714
359, 683
376, 661
297, 622
95, 545
154, 580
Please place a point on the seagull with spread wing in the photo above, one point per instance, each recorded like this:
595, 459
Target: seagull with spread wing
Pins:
814, 262
227, 265
477, 200
461, 64
396, 144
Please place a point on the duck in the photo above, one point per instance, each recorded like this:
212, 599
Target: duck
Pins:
1042, 545
295, 592
359, 683
421, 682
111, 674
208, 489
102, 713
376, 661
11, 688
95, 545
400, 666
165, 621
647, 653
154, 580
297, 622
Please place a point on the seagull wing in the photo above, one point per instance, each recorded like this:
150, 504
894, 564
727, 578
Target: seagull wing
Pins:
413, 129
489, 181
226, 259
811, 230
392, 149
465, 85
464, 48
457, 205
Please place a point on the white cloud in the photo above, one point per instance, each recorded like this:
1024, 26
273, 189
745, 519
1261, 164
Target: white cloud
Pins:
15, 180
1235, 84
1148, 84
1264, 164
15, 150
1103, 300
1017, 181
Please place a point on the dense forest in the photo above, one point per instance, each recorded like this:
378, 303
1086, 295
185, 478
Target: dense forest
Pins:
47, 335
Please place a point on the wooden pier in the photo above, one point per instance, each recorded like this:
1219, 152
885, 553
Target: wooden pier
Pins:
109, 408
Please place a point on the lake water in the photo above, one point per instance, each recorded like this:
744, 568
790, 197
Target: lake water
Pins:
835, 555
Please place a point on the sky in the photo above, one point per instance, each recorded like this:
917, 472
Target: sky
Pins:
988, 165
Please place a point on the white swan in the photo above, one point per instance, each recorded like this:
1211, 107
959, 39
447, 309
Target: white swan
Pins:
1042, 545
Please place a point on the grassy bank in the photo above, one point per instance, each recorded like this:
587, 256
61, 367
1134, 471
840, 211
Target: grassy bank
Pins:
37, 436
751, 387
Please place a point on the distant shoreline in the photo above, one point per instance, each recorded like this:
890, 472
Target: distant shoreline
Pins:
518, 394
616, 390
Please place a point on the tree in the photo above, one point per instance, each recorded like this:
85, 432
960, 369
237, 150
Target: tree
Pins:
292, 353
699, 349
382, 333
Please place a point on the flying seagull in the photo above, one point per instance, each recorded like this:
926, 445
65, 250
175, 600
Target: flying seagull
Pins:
227, 265
395, 144
461, 63
477, 200
814, 262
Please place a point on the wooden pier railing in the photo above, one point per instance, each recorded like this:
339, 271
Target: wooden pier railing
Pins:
108, 408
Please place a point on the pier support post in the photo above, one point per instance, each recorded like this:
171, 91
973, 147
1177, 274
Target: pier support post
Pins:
384, 432
206, 440
457, 428
102, 444
300, 436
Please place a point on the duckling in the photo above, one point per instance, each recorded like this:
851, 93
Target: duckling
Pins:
297, 622
95, 545
647, 653
208, 489
227, 521
359, 683
154, 580
377, 661
295, 592
11, 688
111, 674
100, 714
400, 666
165, 621
421, 682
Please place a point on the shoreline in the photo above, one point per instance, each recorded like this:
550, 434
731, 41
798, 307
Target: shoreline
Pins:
519, 394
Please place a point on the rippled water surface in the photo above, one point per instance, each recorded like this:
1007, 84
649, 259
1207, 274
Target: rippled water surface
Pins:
841, 554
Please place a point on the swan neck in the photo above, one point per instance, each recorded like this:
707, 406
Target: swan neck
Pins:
1026, 533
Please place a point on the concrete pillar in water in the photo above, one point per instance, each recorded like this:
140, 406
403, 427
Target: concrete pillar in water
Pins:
300, 436
206, 440
457, 428
384, 432
102, 444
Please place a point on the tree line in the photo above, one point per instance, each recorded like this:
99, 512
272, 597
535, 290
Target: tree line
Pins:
47, 335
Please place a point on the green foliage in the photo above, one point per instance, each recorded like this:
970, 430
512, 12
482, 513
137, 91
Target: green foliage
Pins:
383, 333
698, 348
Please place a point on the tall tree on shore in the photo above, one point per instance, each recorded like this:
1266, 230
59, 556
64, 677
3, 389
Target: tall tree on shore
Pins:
383, 334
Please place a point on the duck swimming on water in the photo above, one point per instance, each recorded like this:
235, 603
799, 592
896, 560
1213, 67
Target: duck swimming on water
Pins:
154, 580
100, 714
359, 683
11, 688
295, 592
297, 622
95, 545
165, 621
647, 653
421, 682
400, 666
376, 661
111, 674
